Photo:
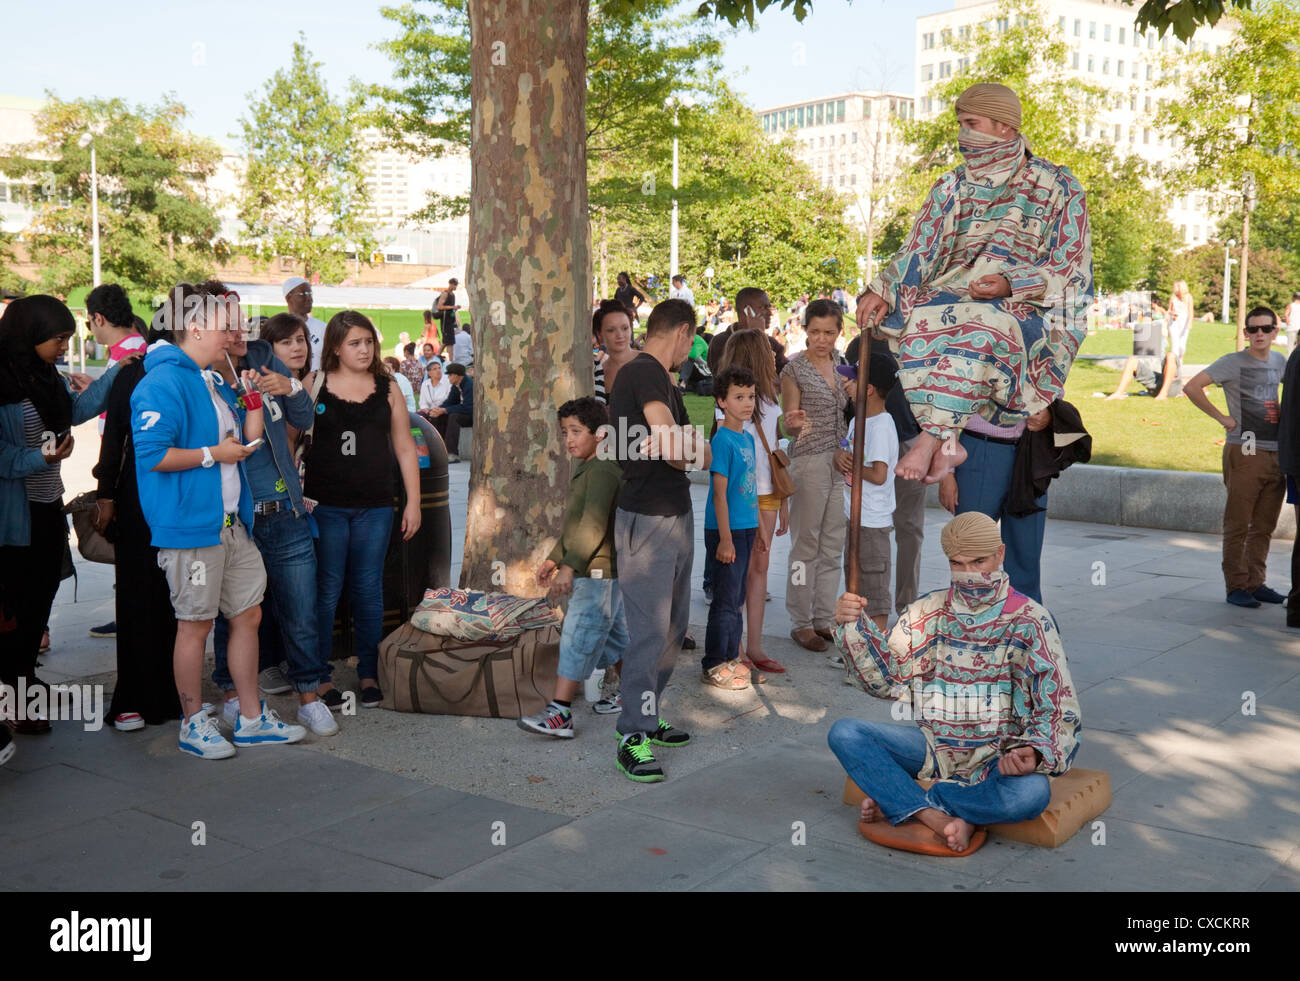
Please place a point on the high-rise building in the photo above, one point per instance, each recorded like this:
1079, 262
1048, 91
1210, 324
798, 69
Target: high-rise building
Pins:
1104, 50
850, 142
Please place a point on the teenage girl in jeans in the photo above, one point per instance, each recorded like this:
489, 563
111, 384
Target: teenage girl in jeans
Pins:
361, 426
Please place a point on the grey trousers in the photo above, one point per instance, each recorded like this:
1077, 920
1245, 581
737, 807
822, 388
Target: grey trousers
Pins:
655, 555
909, 533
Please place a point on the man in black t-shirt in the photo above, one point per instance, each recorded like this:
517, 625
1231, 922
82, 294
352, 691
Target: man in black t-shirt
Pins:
445, 310
654, 529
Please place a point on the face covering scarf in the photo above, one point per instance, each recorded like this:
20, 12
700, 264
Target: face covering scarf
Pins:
979, 590
991, 161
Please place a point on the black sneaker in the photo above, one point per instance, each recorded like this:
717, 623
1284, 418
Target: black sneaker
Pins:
7, 747
333, 699
107, 630
371, 697
666, 735
636, 759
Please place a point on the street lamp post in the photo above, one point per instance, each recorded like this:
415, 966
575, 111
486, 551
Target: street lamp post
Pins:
87, 140
1227, 276
674, 102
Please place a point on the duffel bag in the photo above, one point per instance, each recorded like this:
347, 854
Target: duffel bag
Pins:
435, 675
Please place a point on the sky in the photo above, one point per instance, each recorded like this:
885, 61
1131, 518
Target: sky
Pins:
210, 56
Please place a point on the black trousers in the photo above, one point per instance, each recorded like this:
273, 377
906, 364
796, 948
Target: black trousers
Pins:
1293, 599
29, 581
455, 423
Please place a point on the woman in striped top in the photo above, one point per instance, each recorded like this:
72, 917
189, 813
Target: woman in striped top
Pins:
813, 401
38, 409
611, 328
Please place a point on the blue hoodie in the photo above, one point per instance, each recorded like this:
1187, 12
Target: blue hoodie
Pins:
171, 407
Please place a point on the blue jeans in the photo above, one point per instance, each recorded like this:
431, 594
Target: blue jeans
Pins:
883, 759
352, 547
984, 484
288, 629
722, 635
595, 628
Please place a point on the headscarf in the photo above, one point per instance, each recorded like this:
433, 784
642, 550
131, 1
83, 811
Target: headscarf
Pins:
971, 534
992, 101
990, 160
26, 323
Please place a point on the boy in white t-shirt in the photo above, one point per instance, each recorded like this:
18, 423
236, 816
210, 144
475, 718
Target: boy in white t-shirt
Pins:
879, 457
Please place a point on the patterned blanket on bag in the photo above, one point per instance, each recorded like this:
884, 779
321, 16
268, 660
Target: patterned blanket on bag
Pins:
472, 616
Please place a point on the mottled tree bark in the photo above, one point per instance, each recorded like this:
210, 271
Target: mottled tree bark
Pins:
529, 278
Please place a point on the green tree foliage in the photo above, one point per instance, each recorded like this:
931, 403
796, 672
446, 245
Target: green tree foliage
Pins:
304, 192
1272, 278
1238, 124
1183, 16
1126, 207
155, 226
749, 209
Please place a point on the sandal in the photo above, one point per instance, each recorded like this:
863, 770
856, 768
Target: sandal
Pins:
756, 676
764, 664
729, 676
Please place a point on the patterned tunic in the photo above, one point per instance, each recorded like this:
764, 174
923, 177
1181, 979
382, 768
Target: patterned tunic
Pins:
1006, 358
825, 407
982, 678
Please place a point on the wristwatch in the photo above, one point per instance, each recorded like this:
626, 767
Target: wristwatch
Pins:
295, 386
208, 461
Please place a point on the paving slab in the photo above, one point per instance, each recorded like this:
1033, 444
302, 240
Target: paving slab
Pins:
300, 793
613, 850
56, 797
124, 851
437, 832
298, 865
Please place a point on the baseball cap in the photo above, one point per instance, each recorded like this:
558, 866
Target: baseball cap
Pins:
291, 284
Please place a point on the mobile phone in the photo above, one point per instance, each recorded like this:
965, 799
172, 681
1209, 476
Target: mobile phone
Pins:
60, 437
255, 443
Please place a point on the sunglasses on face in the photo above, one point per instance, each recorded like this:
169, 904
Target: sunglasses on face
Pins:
1260, 328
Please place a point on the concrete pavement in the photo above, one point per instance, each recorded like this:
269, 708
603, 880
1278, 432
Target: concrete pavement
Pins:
1205, 796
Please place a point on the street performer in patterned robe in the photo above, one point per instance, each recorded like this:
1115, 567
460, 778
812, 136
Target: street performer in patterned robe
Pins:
993, 709
985, 305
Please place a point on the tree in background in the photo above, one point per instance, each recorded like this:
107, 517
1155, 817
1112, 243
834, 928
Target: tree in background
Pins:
304, 193
1238, 124
1272, 278
155, 227
1126, 207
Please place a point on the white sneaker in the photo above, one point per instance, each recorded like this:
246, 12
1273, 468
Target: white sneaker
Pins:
266, 729
199, 735
273, 682
230, 713
318, 718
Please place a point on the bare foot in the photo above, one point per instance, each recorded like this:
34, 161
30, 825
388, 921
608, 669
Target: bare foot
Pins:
915, 463
951, 455
957, 833
871, 810
1117, 395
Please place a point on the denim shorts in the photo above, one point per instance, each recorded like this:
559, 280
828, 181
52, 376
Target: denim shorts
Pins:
595, 629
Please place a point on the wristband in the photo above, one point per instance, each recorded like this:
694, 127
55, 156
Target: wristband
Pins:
251, 400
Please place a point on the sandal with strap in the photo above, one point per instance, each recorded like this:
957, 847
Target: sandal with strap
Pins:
756, 676
729, 676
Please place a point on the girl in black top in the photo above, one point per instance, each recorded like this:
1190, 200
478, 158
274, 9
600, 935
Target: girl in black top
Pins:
629, 296
361, 426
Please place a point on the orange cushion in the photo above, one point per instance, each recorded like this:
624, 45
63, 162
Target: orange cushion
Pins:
913, 836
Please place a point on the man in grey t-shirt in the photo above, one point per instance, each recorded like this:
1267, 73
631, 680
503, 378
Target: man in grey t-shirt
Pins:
1250, 381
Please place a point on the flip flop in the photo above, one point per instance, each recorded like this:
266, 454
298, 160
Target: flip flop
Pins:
763, 664
913, 836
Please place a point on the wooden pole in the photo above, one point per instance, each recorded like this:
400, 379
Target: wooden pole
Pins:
859, 447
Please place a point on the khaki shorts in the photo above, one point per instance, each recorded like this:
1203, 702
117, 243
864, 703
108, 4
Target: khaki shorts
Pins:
874, 552
769, 502
228, 578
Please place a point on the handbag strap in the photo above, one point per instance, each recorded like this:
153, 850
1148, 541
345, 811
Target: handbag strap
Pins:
763, 436
305, 441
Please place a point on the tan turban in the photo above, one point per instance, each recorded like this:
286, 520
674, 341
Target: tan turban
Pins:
993, 101
972, 534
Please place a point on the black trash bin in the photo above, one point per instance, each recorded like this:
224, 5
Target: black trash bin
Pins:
422, 563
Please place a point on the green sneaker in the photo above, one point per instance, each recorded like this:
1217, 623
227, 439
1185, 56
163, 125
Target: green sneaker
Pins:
666, 735
636, 760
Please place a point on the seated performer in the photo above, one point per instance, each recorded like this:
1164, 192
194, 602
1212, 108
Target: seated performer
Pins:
986, 303
983, 669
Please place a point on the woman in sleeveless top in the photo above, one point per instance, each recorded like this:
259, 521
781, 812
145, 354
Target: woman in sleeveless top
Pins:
361, 426
813, 401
